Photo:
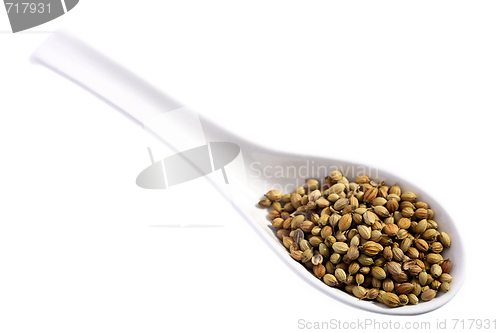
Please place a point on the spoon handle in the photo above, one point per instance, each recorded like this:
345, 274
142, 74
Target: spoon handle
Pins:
103, 77
176, 126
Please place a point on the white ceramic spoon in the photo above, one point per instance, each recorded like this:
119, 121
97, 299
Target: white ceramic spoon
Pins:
243, 180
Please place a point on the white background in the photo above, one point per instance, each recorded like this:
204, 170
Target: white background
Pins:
411, 87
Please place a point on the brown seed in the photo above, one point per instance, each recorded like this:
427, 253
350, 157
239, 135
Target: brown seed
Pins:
307, 255
334, 220
360, 279
434, 258
314, 195
407, 263
421, 245
315, 241
385, 240
398, 254
265, 203
393, 268
407, 212
305, 245
287, 224
428, 295
369, 217
413, 299
378, 201
446, 266
330, 280
395, 189
414, 270
353, 268
316, 230
376, 236
404, 223
365, 260
319, 271
277, 207
283, 233
297, 255
400, 277
371, 248
345, 222
274, 214
340, 204
445, 287
387, 253
390, 299
421, 213
388, 285
312, 184
405, 288
287, 242
362, 179
392, 205
278, 223
355, 240
330, 267
417, 286
322, 202
340, 275
413, 253
340, 247
286, 198
359, 292
326, 231
436, 271
445, 277
298, 235
376, 283
422, 278
405, 244
335, 258
390, 229
324, 250
402, 234
403, 299
408, 196
445, 239
364, 231
352, 253
273, 195
381, 211
436, 247
341, 236
306, 226
364, 270
429, 234
431, 224
372, 293
336, 175
378, 273
420, 263
297, 220
296, 200
294, 247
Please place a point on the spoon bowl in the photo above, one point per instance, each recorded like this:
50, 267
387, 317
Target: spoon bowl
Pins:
242, 180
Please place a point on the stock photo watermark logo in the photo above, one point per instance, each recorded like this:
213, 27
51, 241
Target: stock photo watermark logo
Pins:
204, 160
286, 178
24, 15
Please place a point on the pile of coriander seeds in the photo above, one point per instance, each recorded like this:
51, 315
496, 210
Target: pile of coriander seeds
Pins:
371, 240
